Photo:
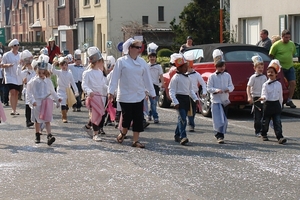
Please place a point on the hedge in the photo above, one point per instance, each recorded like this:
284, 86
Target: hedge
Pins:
297, 90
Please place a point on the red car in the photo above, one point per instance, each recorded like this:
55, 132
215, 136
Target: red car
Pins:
238, 64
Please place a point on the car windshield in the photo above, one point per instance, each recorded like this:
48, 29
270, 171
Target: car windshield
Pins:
244, 56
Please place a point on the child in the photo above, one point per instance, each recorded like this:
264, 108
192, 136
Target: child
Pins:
180, 91
156, 73
39, 92
254, 87
219, 85
272, 96
197, 80
26, 71
64, 80
77, 70
94, 84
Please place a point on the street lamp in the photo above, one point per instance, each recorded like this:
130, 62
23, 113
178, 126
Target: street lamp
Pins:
221, 20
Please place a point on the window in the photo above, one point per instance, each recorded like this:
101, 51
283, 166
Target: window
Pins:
97, 1
86, 2
0, 10
145, 20
38, 36
31, 18
161, 16
20, 16
37, 11
245, 56
61, 2
44, 13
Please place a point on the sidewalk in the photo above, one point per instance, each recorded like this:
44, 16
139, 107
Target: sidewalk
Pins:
292, 112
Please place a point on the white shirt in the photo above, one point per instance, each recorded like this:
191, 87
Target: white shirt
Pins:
155, 72
272, 91
221, 81
94, 81
255, 82
1, 76
181, 84
10, 73
197, 80
77, 72
26, 73
131, 78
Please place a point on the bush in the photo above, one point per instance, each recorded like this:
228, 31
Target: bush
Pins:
297, 90
164, 53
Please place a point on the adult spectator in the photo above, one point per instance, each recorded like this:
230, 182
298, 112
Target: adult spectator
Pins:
283, 50
2, 49
275, 38
53, 49
10, 63
265, 40
189, 43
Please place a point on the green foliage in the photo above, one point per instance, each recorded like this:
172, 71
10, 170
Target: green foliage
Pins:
199, 19
297, 90
164, 53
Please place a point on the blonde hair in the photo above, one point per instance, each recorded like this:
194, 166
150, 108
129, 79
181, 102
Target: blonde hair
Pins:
275, 38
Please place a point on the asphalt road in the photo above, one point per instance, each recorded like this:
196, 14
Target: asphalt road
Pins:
76, 167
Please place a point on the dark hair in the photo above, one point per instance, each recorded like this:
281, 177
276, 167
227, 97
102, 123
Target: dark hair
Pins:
219, 64
285, 32
265, 31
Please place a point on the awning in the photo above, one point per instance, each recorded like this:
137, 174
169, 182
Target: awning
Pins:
36, 24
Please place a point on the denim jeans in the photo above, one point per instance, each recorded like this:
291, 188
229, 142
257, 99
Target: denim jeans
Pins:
181, 125
153, 105
276, 123
192, 118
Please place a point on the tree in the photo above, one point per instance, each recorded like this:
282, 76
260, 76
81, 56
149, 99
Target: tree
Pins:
199, 19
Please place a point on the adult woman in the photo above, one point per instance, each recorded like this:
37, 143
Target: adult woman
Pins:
53, 49
10, 63
132, 77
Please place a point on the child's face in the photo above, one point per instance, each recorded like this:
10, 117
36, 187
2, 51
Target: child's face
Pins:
152, 59
271, 73
183, 69
259, 69
64, 66
221, 68
41, 73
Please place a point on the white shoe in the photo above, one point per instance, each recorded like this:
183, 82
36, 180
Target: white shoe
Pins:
97, 138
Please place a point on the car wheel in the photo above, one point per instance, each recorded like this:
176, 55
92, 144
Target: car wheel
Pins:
206, 106
163, 101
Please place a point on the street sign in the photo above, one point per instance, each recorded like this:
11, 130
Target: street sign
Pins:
120, 46
2, 36
109, 44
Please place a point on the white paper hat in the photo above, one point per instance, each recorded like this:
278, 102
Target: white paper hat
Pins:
69, 57
77, 54
44, 51
111, 60
13, 42
151, 48
275, 64
25, 55
34, 63
218, 56
62, 59
94, 54
126, 45
256, 60
43, 58
177, 59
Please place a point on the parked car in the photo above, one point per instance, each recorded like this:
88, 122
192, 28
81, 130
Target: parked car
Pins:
238, 64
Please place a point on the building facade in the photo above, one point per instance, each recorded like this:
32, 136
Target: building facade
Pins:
247, 18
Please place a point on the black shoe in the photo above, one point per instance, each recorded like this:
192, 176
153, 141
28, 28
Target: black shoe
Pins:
265, 138
177, 138
282, 141
28, 124
101, 131
51, 139
183, 141
6, 104
290, 104
38, 138
146, 124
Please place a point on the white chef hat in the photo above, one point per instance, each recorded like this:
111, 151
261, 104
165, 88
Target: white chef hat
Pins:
94, 54
69, 57
189, 56
77, 54
218, 57
26, 56
257, 60
151, 49
44, 51
13, 42
110, 61
177, 59
43, 58
126, 45
34, 63
62, 59
275, 64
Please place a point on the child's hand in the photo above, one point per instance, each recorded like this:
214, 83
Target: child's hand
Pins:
34, 104
110, 97
92, 94
250, 100
226, 91
261, 99
218, 91
176, 106
59, 100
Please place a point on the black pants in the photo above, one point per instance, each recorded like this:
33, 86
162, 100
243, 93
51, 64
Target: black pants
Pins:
28, 113
257, 115
78, 104
133, 112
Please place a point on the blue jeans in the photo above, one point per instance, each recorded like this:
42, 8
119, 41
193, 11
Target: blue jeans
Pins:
181, 125
153, 105
192, 118
276, 123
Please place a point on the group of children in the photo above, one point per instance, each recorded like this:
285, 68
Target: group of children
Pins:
265, 95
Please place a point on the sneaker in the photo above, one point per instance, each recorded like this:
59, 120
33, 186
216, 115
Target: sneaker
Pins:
192, 129
149, 118
220, 140
37, 138
101, 131
74, 109
177, 138
282, 140
88, 131
290, 104
97, 138
183, 141
156, 121
265, 138
258, 134
51, 139
28, 124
